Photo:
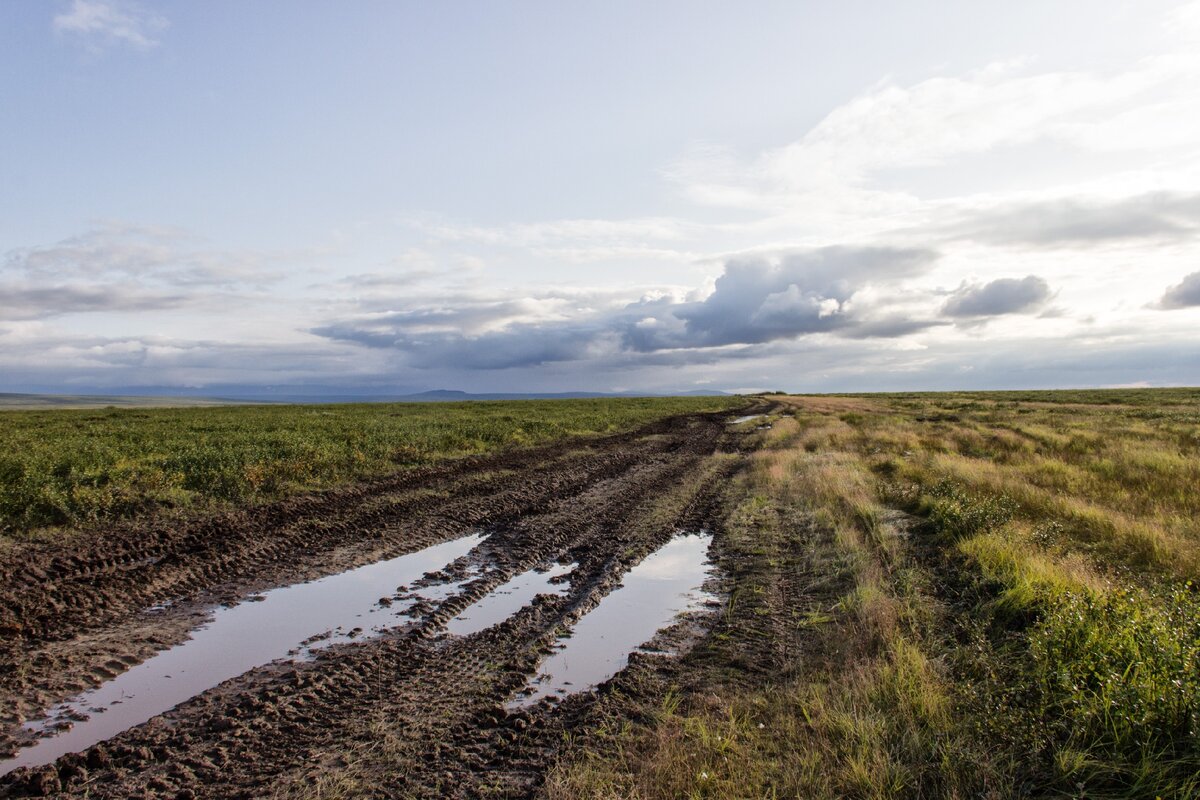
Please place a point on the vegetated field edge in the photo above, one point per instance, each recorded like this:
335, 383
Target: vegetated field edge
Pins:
998, 601
412, 712
65, 468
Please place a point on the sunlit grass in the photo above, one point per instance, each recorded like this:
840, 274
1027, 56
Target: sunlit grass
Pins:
1031, 630
1076, 525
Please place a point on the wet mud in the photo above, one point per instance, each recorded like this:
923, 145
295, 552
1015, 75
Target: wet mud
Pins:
667, 583
394, 684
289, 622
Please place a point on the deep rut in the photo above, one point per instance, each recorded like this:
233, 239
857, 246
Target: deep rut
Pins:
412, 714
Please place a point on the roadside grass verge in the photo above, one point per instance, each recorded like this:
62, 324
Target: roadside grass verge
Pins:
66, 468
816, 683
1014, 612
1062, 536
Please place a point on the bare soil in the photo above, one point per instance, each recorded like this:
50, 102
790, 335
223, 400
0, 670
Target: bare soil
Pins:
413, 713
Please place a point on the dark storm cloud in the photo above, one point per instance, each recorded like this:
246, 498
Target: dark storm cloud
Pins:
1158, 216
1003, 296
1185, 294
756, 300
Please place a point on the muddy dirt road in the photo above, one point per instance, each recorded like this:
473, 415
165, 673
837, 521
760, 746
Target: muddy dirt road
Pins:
445, 590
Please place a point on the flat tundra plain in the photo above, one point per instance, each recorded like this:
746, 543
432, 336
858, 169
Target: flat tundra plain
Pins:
949, 595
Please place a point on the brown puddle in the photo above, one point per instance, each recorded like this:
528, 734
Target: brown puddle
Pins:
747, 418
652, 594
290, 622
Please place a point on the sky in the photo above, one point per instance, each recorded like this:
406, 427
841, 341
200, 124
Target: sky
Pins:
391, 197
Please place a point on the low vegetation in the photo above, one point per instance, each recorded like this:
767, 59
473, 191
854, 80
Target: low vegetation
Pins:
928, 595
69, 468
1001, 604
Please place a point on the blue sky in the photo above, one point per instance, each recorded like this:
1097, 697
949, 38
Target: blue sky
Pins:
609, 196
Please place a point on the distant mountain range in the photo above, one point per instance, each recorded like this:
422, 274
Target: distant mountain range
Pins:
143, 397
15, 401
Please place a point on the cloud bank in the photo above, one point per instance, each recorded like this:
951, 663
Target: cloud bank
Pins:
127, 268
842, 291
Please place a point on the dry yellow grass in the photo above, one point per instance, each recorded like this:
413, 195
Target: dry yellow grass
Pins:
1030, 631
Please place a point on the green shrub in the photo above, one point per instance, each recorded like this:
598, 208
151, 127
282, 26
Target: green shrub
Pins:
1119, 677
960, 514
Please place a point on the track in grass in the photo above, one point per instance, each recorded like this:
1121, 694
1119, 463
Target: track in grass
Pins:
600, 505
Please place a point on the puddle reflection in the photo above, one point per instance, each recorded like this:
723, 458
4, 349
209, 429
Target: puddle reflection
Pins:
509, 598
652, 594
288, 622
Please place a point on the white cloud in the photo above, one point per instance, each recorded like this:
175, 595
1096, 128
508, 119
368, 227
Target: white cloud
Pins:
1184, 21
757, 300
124, 269
942, 120
880, 283
104, 23
147, 253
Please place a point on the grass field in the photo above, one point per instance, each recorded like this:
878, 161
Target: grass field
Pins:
1007, 609
949, 595
74, 467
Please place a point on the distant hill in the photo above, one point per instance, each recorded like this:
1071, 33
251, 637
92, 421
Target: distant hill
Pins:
27, 402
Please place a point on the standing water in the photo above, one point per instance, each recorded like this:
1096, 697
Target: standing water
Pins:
509, 598
283, 623
652, 594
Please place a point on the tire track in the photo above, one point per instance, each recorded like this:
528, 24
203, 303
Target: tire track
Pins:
605, 505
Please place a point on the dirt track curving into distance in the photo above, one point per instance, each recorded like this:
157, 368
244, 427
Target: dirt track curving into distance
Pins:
412, 713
